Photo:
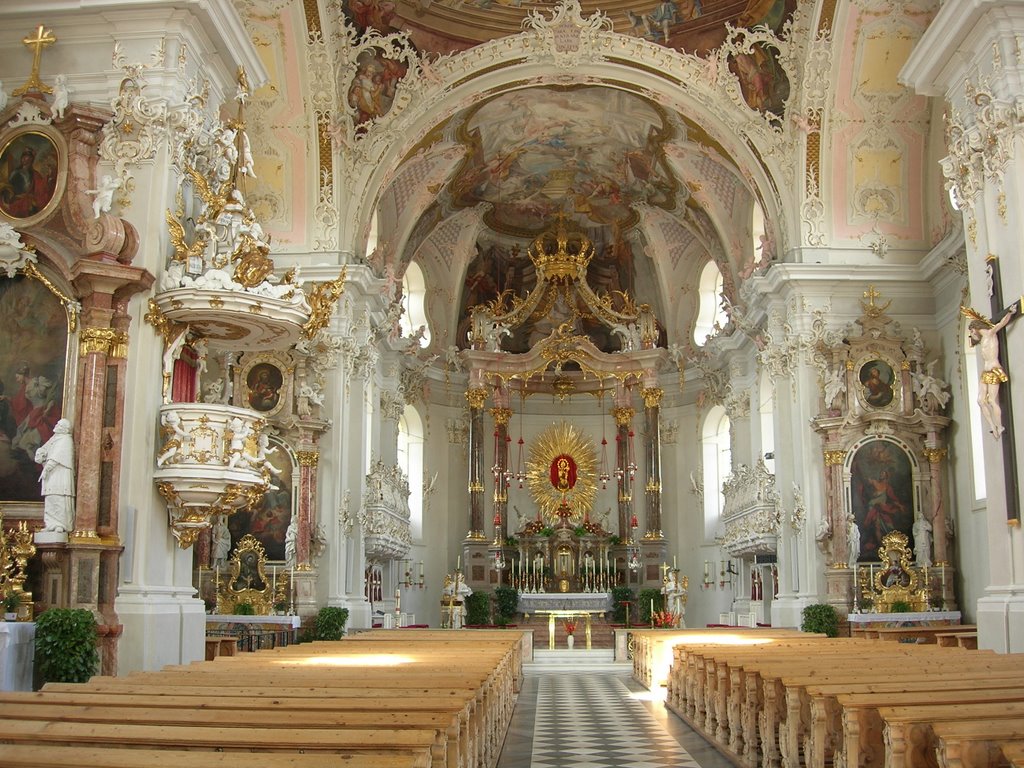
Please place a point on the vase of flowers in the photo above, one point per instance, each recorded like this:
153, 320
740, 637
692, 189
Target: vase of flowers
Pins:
570, 628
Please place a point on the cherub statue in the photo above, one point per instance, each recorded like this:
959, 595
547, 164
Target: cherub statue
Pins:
175, 438
61, 96
930, 390
236, 449
214, 392
104, 195
983, 334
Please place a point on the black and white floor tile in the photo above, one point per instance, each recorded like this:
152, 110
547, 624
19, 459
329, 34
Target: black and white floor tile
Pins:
598, 720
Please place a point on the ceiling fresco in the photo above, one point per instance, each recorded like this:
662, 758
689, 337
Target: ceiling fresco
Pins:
593, 152
446, 26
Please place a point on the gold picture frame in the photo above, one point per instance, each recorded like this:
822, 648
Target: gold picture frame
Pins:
33, 173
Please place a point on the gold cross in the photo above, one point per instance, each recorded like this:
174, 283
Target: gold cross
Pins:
43, 37
871, 294
871, 309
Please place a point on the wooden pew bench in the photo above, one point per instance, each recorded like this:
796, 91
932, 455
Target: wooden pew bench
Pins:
966, 735
20, 756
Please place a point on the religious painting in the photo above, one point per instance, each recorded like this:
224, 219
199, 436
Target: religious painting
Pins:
268, 520
33, 351
372, 91
31, 168
877, 380
882, 494
263, 385
763, 81
694, 26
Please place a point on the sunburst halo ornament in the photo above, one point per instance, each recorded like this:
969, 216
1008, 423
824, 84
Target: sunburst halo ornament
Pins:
561, 468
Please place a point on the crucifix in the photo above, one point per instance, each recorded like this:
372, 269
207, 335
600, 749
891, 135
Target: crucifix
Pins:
994, 400
43, 37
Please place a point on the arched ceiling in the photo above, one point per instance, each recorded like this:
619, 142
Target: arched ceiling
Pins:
656, 195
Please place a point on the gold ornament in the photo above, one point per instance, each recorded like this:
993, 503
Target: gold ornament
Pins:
562, 440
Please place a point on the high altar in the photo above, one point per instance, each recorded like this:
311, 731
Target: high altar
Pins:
565, 548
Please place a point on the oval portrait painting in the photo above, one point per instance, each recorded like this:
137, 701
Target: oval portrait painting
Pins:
29, 169
264, 387
876, 380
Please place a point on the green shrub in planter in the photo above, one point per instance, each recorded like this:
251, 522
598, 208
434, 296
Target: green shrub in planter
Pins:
822, 618
478, 608
619, 594
244, 609
643, 612
66, 645
899, 606
330, 623
506, 603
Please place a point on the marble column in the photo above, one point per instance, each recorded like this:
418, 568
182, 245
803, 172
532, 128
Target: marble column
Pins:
936, 469
501, 441
476, 398
652, 456
836, 511
623, 426
309, 461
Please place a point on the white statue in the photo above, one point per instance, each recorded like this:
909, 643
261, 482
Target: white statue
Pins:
260, 460
835, 385
175, 437
289, 541
930, 390
221, 542
494, 334
984, 335
239, 432
853, 542
61, 96
675, 595
823, 536
3, 97
104, 195
57, 455
923, 542
214, 392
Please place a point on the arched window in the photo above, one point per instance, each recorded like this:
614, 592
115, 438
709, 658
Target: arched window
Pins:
716, 450
757, 231
414, 294
709, 291
766, 408
972, 368
410, 459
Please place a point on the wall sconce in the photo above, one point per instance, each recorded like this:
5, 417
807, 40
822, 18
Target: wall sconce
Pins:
408, 580
708, 582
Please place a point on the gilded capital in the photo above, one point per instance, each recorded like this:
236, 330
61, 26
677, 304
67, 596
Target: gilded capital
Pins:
834, 457
476, 397
934, 455
99, 340
308, 458
652, 396
501, 415
623, 416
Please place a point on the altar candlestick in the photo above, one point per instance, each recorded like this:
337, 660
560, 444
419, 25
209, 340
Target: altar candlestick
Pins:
674, 561
856, 599
421, 570
217, 578
458, 562
273, 584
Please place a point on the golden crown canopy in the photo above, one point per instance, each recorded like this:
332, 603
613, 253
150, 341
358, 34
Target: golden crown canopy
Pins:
563, 254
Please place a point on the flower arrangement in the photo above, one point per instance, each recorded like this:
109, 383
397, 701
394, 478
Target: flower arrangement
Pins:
664, 619
570, 626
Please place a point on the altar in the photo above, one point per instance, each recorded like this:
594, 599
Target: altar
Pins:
592, 602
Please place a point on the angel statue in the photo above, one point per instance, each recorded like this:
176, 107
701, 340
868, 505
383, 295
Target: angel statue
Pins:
983, 334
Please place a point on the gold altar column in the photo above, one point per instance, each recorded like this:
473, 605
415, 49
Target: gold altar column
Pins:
476, 397
501, 420
652, 456
623, 418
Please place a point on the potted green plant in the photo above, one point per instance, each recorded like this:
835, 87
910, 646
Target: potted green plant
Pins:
244, 609
330, 623
506, 603
821, 618
66, 645
11, 602
620, 596
899, 606
478, 609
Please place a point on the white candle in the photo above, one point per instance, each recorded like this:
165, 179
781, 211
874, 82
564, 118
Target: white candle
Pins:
458, 563
673, 561
273, 583
421, 569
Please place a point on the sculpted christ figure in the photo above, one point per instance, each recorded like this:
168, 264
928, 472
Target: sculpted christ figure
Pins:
983, 335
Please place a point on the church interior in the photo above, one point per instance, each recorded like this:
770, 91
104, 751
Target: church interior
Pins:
379, 305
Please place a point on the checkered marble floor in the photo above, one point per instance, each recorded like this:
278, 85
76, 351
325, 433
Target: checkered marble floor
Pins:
598, 720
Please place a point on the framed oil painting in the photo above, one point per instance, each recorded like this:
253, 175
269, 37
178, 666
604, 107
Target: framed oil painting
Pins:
882, 494
33, 168
268, 521
265, 384
33, 354
877, 382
